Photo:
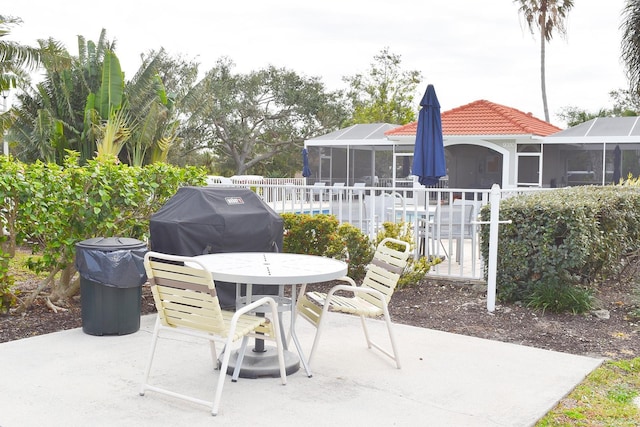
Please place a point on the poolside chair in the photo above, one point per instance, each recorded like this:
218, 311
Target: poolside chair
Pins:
370, 299
338, 190
318, 191
452, 222
358, 190
185, 296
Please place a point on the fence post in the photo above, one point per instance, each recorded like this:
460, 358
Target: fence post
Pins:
494, 203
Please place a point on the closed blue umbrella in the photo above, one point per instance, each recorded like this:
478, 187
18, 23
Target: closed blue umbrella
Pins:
306, 171
429, 163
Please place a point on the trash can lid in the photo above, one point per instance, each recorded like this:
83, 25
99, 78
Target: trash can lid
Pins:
114, 243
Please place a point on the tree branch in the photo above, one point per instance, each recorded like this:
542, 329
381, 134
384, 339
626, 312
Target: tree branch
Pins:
29, 300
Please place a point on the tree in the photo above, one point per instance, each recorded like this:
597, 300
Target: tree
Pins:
248, 119
546, 16
16, 60
385, 93
155, 95
88, 107
625, 104
574, 116
630, 45
59, 113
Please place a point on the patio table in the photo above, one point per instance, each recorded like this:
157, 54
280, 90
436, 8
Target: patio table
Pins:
277, 269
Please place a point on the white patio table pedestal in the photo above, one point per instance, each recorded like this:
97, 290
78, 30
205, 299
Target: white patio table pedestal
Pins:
277, 269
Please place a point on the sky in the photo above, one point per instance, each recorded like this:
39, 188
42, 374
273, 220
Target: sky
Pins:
468, 49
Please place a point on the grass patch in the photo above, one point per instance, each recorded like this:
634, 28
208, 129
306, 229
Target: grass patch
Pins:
18, 268
558, 297
607, 397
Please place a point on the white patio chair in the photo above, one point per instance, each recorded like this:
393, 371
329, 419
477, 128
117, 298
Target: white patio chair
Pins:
370, 299
338, 190
318, 191
358, 190
185, 296
452, 222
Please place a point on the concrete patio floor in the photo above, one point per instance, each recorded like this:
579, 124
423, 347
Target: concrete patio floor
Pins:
70, 378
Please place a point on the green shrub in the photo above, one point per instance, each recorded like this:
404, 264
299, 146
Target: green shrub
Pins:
359, 249
324, 235
307, 234
579, 234
57, 206
7, 294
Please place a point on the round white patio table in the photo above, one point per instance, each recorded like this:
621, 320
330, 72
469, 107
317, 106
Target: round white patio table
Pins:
277, 269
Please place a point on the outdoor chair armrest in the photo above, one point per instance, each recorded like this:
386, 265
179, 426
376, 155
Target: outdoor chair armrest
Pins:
257, 303
348, 280
303, 287
356, 290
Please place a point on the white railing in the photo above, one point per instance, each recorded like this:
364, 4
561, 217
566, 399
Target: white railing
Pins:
444, 221
434, 216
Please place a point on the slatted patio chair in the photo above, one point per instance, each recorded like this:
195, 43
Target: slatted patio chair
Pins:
185, 296
370, 299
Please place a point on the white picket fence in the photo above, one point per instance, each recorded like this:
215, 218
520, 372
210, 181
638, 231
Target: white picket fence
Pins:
444, 221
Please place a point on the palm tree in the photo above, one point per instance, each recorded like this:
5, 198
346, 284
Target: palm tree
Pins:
631, 43
546, 16
87, 106
16, 60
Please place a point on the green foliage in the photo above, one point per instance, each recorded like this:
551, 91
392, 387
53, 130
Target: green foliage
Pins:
323, 235
574, 116
7, 281
604, 398
385, 93
622, 393
630, 46
359, 249
248, 119
58, 206
109, 96
558, 296
571, 237
626, 103
85, 105
16, 60
307, 234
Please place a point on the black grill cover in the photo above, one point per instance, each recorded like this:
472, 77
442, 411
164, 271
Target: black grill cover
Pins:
207, 220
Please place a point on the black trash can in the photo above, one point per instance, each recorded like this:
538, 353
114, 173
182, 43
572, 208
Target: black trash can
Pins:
111, 278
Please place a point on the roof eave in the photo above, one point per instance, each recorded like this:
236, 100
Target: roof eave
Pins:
591, 139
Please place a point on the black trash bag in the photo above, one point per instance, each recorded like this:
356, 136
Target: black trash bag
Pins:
112, 261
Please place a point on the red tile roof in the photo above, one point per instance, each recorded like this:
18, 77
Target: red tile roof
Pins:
484, 118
